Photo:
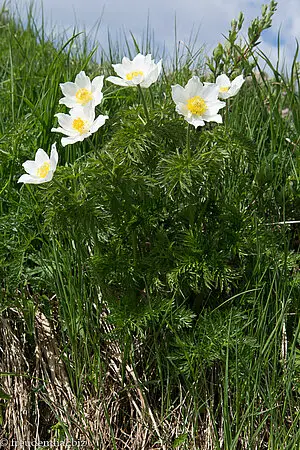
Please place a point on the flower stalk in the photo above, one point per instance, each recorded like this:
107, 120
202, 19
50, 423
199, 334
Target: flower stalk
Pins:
188, 142
144, 102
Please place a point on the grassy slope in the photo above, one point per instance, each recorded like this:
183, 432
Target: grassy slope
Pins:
147, 295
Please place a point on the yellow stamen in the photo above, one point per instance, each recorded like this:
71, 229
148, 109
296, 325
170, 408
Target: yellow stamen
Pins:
83, 96
131, 75
43, 171
196, 105
224, 89
80, 125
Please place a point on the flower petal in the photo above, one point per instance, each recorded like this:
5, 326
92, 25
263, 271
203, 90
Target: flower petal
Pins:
179, 94
210, 93
194, 87
224, 95
41, 157
215, 118
83, 81
88, 113
126, 63
148, 59
28, 179
71, 140
53, 157
236, 85
70, 102
121, 69
117, 81
69, 89
98, 96
48, 177
63, 131
139, 62
97, 83
213, 108
196, 122
238, 81
135, 80
30, 167
181, 108
65, 121
152, 76
223, 81
99, 122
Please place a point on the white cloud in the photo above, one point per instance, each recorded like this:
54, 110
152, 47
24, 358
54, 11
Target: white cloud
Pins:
212, 18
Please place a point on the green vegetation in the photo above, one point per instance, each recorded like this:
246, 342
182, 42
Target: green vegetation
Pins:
150, 294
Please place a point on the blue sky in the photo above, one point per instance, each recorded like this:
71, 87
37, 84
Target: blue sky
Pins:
212, 17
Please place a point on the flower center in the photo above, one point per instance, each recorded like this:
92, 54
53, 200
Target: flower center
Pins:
196, 105
43, 171
83, 96
224, 89
132, 75
80, 125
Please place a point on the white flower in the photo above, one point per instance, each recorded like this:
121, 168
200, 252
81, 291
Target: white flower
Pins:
82, 92
197, 102
79, 124
141, 70
228, 88
42, 168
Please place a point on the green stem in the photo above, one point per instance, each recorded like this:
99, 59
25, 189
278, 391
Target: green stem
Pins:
28, 186
63, 188
188, 152
144, 102
188, 144
92, 144
227, 112
152, 98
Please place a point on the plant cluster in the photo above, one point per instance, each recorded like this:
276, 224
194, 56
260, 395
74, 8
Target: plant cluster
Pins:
196, 102
150, 282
